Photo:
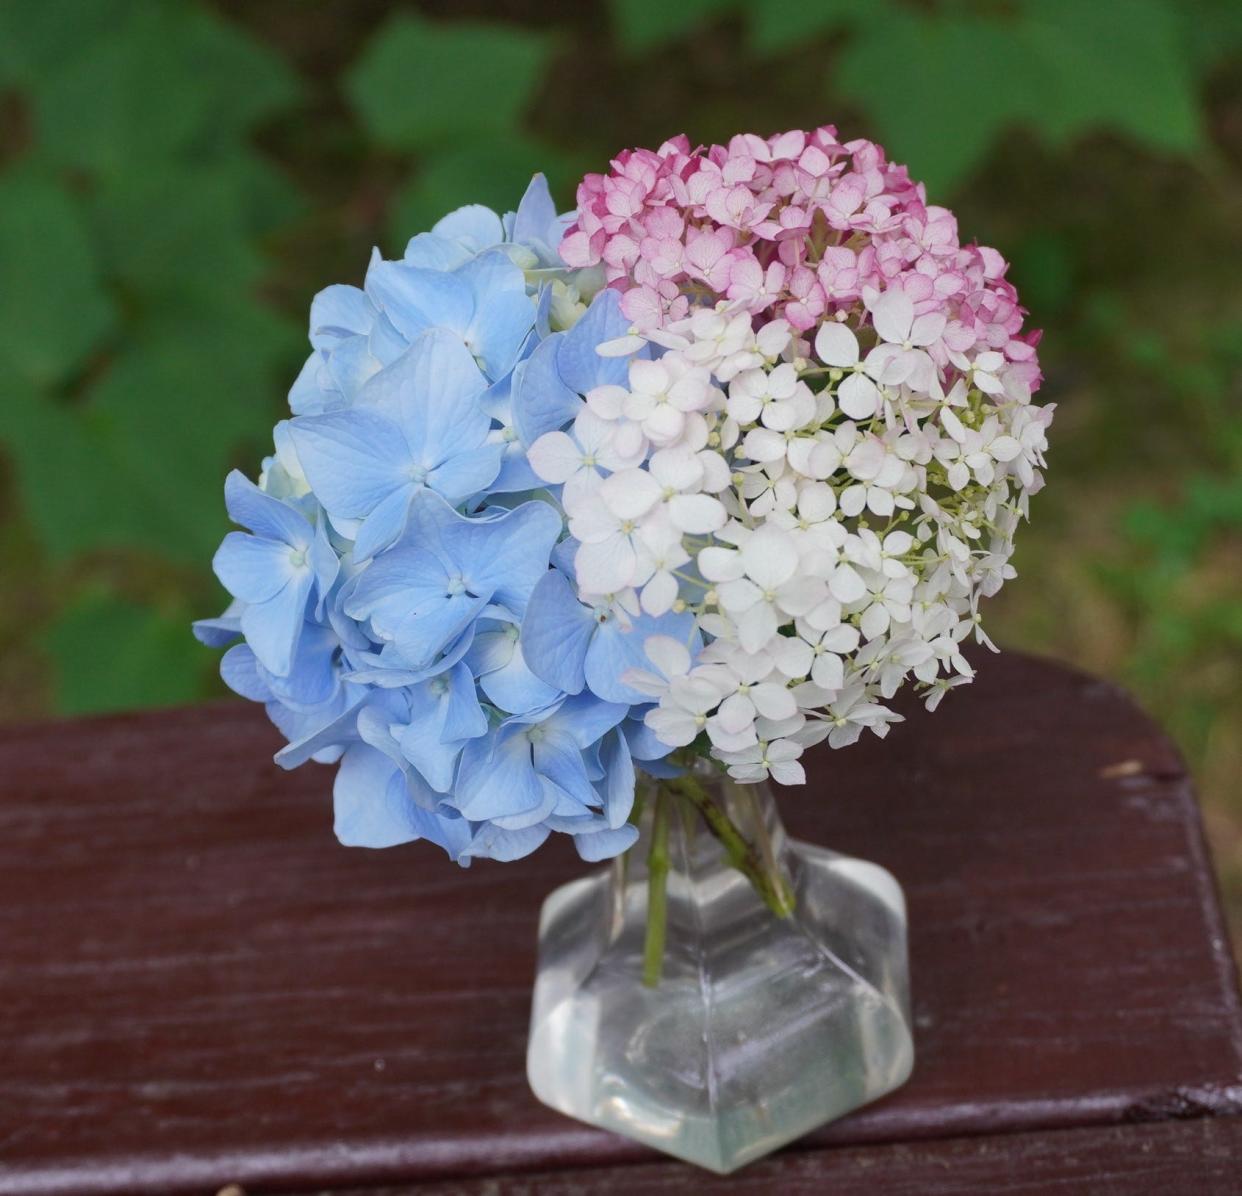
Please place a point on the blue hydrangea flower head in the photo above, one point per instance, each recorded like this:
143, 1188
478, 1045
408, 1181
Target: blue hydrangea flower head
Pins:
400, 587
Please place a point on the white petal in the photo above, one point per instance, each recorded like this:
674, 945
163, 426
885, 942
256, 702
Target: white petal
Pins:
1004, 448
720, 564
605, 567
668, 655
927, 328
846, 586
835, 344
739, 596
697, 514
555, 457
676, 467
858, 397
630, 493
664, 425
756, 626
770, 557
674, 727
763, 445
621, 346
607, 401
874, 620
736, 714
659, 594
892, 314
788, 773
773, 701
828, 672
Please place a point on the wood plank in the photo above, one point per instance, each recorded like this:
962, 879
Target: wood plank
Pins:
1202, 1157
200, 986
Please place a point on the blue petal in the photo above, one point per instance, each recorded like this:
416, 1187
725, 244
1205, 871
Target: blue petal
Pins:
253, 569
490, 842
474, 227
434, 252
340, 732
501, 555
535, 221
585, 719
349, 365
614, 649
309, 395
264, 515
384, 524
606, 844
497, 335
541, 400
313, 677
619, 779
433, 391
559, 759
373, 806
352, 459
415, 299
468, 474
556, 634
643, 742
272, 628
339, 311
463, 716
216, 633
515, 689
240, 671
497, 777
408, 598
580, 367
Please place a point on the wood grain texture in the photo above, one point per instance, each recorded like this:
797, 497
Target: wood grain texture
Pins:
1175, 1158
200, 986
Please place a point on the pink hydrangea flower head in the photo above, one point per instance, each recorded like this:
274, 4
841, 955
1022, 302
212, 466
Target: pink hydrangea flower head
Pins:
798, 226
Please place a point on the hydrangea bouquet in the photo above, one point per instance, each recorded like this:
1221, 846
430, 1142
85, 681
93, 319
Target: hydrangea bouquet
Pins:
702, 471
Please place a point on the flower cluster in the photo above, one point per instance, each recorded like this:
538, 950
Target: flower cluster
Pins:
798, 226
526, 533
824, 469
385, 590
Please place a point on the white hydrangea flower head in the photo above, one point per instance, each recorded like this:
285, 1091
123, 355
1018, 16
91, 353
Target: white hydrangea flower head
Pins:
830, 505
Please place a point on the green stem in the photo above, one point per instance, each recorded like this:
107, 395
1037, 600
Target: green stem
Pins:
764, 876
657, 893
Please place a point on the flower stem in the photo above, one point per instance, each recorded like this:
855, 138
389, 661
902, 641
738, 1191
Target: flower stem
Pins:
762, 872
657, 892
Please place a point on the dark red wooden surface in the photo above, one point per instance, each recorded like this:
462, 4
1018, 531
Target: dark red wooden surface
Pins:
1171, 1158
198, 986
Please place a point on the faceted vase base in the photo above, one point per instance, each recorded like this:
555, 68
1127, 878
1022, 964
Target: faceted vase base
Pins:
760, 1029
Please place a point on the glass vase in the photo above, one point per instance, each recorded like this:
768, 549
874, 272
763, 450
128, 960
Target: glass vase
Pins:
720, 990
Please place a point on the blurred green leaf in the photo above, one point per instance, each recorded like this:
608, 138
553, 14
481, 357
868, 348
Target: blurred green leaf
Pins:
494, 172
171, 230
780, 24
1212, 29
53, 308
959, 82
1111, 63
646, 24
37, 36
164, 79
1043, 271
1060, 66
421, 84
111, 654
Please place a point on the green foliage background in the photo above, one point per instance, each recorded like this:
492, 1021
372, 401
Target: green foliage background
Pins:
177, 178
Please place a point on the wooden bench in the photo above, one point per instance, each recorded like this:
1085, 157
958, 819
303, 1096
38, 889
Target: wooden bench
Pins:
199, 987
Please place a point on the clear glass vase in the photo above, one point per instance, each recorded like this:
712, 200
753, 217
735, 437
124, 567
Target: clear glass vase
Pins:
720, 990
